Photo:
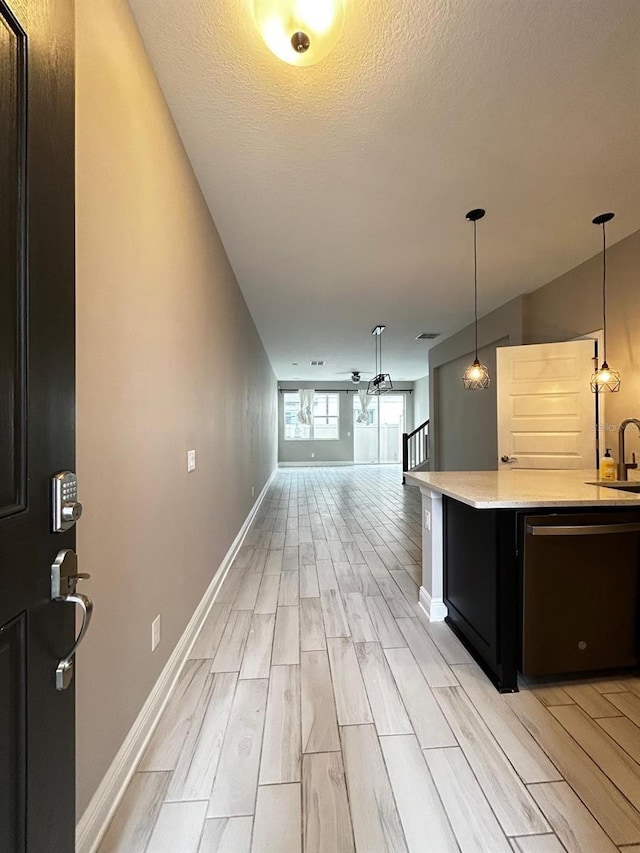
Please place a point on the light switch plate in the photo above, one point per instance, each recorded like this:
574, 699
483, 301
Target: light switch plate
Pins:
191, 460
427, 519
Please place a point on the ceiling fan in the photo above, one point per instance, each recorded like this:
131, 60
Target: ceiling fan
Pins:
356, 375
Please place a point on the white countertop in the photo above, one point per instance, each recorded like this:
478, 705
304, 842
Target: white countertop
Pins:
512, 489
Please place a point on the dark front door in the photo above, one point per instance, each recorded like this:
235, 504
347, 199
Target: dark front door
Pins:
37, 416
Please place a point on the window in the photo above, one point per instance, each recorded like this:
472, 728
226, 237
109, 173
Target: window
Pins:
326, 418
326, 415
293, 429
377, 434
368, 418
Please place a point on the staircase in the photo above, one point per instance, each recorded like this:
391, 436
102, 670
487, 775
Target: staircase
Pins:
415, 449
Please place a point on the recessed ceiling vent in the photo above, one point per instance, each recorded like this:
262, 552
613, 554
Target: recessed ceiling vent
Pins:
317, 363
428, 336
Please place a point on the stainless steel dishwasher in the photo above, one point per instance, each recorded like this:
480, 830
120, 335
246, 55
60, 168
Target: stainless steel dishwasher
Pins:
580, 592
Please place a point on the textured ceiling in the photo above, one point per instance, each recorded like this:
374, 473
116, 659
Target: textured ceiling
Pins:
340, 190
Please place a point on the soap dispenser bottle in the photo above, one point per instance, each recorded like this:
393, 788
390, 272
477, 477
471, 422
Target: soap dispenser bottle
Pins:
608, 469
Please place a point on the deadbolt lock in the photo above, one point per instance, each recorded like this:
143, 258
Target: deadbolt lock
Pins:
66, 509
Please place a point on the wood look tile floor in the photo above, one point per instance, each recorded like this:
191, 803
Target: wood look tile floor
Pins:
321, 712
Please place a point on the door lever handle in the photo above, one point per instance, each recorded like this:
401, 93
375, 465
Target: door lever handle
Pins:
64, 670
64, 576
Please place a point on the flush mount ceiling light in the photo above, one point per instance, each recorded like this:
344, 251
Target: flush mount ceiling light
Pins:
381, 382
300, 32
604, 379
476, 377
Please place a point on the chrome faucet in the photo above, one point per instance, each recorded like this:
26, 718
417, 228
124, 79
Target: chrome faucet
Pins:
623, 466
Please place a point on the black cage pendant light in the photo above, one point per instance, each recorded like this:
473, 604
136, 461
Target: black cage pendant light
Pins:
381, 382
604, 379
476, 377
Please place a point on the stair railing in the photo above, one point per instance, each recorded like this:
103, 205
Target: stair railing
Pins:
415, 448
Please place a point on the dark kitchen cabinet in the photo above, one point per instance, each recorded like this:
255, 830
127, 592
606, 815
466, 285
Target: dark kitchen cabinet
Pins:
481, 584
484, 555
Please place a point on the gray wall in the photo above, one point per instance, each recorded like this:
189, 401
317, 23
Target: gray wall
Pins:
463, 424
328, 451
564, 309
420, 401
168, 360
468, 417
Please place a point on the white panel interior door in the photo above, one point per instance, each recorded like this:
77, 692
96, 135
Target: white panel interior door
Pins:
546, 409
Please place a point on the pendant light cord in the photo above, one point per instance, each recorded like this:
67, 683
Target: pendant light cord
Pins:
475, 279
604, 293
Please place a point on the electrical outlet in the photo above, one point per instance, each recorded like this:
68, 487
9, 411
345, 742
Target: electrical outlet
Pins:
191, 460
313, 455
253, 491
155, 633
427, 519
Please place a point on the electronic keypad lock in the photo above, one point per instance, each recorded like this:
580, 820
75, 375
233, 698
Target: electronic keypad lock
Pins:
65, 507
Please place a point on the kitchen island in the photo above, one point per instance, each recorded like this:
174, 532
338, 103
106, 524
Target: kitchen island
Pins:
475, 526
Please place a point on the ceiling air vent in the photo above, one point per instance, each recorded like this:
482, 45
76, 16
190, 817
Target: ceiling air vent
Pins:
428, 336
317, 363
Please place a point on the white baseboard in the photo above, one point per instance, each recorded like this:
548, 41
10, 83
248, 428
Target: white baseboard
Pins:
97, 816
434, 608
312, 464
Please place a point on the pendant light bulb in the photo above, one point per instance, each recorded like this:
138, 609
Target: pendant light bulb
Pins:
300, 32
476, 377
604, 379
